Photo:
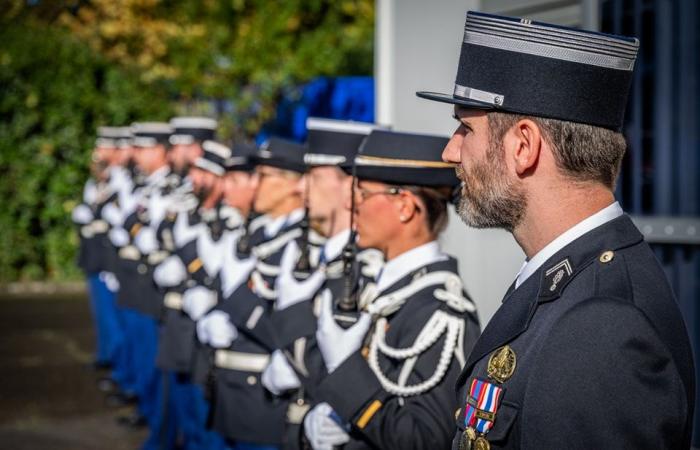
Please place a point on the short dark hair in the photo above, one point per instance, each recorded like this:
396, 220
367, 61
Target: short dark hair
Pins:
582, 152
435, 201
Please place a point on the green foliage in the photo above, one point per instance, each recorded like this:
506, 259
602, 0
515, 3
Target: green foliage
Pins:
55, 92
67, 67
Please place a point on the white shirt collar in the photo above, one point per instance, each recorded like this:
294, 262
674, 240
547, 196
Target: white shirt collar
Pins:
275, 225
334, 246
407, 262
605, 215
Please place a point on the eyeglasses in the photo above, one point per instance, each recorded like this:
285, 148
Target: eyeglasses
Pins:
366, 193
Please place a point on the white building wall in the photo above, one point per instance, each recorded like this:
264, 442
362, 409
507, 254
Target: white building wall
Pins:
417, 45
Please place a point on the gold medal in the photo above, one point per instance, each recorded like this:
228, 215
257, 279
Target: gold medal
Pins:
502, 364
481, 444
465, 442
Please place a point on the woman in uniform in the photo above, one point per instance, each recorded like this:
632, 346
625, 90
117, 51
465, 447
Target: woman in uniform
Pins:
392, 374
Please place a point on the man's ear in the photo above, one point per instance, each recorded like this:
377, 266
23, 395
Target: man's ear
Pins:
525, 143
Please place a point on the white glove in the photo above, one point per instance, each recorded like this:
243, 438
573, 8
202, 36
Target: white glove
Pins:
336, 343
110, 280
119, 237
90, 192
279, 376
112, 215
235, 271
289, 290
322, 431
197, 301
146, 241
170, 272
216, 330
82, 214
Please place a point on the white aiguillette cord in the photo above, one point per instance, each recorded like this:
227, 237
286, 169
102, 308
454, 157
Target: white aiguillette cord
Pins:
438, 324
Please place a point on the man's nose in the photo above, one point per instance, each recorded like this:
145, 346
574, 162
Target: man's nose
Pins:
451, 152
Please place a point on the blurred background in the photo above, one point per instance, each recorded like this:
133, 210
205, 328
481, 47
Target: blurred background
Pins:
261, 67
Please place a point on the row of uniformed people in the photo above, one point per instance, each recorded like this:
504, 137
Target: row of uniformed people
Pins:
262, 272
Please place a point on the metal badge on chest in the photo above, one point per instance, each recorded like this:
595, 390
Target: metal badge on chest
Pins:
484, 398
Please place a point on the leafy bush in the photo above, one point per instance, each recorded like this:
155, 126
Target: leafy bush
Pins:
55, 92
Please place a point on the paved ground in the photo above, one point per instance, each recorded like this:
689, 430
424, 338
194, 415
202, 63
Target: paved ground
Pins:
48, 398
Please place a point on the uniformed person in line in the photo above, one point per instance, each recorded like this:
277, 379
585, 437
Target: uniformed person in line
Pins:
120, 182
244, 412
392, 374
99, 190
136, 242
297, 367
189, 132
191, 277
589, 349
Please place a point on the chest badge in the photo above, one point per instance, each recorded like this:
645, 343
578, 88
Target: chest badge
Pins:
480, 411
501, 364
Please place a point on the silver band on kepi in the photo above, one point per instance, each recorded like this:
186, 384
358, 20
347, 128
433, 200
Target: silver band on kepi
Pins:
106, 143
142, 141
207, 165
317, 159
181, 139
549, 51
478, 95
549, 42
244, 362
236, 161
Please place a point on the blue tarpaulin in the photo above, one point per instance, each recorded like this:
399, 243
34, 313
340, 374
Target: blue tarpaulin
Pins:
347, 98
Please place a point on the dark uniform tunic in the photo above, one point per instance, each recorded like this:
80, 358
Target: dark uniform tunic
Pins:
243, 409
598, 351
380, 417
296, 334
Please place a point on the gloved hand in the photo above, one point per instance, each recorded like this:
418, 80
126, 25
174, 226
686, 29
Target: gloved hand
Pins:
197, 301
119, 237
146, 241
82, 214
279, 376
110, 280
112, 215
235, 271
322, 431
216, 330
337, 344
170, 272
289, 290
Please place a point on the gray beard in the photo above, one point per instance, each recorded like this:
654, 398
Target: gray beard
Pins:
500, 202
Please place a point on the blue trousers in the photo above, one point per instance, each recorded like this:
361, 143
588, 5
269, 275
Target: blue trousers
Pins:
247, 446
108, 327
182, 417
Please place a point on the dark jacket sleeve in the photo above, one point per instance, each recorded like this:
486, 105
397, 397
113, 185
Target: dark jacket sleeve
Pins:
424, 421
604, 379
250, 314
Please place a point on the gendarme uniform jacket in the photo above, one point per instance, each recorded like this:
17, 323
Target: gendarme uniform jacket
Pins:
590, 352
297, 324
398, 393
243, 409
203, 258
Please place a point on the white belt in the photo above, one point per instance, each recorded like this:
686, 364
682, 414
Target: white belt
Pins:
244, 362
173, 300
130, 252
100, 226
